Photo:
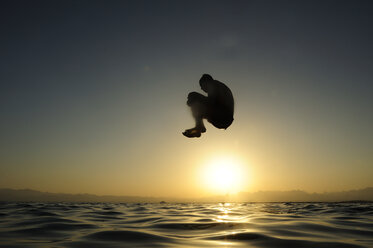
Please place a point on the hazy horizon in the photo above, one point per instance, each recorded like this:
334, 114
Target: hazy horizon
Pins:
365, 194
239, 192
310, 192
93, 96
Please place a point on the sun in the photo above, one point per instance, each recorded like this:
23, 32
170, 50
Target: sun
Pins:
223, 175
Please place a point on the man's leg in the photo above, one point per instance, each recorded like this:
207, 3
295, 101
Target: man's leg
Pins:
199, 112
198, 105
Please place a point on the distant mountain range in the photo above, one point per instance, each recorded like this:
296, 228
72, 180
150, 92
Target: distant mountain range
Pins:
299, 196
260, 196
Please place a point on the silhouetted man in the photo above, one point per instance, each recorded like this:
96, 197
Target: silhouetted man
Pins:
217, 107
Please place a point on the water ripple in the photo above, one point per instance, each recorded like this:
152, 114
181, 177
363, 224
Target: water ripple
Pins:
259, 225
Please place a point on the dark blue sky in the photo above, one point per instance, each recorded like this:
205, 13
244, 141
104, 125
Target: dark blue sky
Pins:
77, 77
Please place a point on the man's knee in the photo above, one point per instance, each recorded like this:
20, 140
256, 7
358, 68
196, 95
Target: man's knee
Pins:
194, 97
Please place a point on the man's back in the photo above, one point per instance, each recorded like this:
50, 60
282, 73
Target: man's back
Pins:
221, 104
221, 96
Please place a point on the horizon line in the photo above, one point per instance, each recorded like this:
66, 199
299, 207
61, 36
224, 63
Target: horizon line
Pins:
211, 195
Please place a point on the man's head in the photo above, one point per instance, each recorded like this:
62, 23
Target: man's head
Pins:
205, 81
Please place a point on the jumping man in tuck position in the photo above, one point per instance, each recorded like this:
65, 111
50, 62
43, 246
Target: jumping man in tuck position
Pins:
217, 107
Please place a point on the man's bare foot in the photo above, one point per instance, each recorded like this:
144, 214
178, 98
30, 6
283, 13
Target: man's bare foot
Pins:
201, 129
193, 133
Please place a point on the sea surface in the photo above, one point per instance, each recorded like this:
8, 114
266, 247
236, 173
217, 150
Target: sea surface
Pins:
93, 225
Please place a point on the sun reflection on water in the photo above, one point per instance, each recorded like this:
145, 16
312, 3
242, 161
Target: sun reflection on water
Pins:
226, 213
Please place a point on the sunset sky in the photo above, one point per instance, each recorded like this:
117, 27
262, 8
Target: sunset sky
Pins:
93, 93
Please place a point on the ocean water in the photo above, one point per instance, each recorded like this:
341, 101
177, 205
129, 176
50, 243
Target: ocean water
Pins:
93, 225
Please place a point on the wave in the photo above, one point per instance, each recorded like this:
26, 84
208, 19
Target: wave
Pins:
260, 225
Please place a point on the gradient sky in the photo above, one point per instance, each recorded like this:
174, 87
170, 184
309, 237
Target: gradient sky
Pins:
92, 94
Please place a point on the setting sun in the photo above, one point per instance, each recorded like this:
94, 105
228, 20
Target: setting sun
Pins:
223, 175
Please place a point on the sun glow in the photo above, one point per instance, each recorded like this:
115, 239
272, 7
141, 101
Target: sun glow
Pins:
223, 175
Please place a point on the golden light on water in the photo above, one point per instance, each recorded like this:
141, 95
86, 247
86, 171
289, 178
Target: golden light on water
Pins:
224, 175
